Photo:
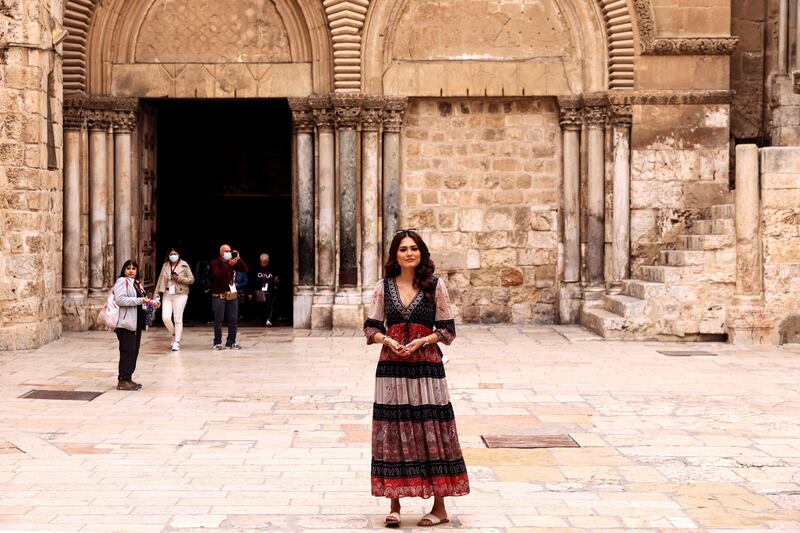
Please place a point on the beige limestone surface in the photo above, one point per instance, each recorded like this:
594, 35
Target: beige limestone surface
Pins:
277, 436
481, 184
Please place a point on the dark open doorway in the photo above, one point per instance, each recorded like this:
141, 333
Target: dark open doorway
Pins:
224, 176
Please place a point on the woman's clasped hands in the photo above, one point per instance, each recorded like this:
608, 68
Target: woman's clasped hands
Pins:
403, 350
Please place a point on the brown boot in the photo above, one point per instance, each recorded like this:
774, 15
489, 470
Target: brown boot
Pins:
123, 384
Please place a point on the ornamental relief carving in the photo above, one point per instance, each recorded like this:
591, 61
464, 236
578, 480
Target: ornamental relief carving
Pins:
661, 46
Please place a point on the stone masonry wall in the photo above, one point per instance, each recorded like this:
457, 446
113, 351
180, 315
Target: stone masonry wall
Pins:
30, 176
481, 182
679, 165
780, 239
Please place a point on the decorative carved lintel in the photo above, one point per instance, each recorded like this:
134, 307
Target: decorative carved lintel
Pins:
302, 117
671, 97
570, 112
347, 109
662, 46
372, 112
394, 113
322, 111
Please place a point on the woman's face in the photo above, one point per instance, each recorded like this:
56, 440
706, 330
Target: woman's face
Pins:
408, 254
130, 271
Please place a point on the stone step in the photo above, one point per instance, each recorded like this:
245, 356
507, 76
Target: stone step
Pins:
668, 274
603, 322
624, 305
717, 226
723, 211
703, 242
682, 257
643, 289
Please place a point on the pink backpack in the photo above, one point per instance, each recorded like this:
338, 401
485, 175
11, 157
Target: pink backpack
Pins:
109, 314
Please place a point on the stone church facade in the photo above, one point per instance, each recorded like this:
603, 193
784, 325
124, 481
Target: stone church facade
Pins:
630, 165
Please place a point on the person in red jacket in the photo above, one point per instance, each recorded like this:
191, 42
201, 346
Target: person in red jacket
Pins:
224, 296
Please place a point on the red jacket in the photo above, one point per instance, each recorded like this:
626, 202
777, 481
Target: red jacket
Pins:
222, 274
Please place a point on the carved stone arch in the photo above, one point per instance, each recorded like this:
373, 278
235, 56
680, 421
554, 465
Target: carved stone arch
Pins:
604, 27
102, 33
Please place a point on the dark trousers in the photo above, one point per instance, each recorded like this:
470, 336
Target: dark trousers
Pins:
129, 342
225, 310
267, 306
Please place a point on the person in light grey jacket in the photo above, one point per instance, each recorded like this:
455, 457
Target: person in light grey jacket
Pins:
131, 299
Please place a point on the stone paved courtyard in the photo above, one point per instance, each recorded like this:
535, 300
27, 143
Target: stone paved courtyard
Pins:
276, 437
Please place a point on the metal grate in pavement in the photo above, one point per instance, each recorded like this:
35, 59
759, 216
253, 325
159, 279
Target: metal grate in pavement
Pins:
686, 353
44, 394
529, 441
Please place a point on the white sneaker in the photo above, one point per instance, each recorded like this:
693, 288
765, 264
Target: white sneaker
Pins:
176, 346
269, 323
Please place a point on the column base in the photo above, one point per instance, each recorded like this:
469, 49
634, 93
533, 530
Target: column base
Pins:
322, 309
569, 302
302, 303
73, 310
593, 293
348, 311
95, 301
748, 322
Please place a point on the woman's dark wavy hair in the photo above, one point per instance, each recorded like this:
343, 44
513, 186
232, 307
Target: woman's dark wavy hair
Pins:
169, 251
423, 276
128, 263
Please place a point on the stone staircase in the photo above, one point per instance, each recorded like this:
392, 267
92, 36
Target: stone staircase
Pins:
684, 296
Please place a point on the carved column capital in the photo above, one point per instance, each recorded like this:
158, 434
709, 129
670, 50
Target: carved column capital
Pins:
621, 115
570, 112
394, 113
372, 113
98, 119
347, 109
322, 111
74, 111
124, 121
302, 116
596, 111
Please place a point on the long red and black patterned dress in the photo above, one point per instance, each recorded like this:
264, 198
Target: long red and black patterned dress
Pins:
415, 449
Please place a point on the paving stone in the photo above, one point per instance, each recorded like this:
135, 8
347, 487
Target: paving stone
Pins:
277, 436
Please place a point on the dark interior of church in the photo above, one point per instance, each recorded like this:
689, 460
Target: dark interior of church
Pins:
224, 176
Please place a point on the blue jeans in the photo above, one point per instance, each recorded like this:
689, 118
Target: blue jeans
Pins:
225, 309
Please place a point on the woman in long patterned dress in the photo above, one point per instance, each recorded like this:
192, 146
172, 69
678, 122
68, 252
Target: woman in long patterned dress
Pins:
415, 449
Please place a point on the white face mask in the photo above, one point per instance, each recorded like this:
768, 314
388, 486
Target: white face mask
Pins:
227, 256
173, 258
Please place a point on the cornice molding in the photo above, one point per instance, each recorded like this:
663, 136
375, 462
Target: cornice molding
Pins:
665, 46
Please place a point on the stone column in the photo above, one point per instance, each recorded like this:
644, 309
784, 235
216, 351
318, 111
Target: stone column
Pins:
346, 306
392, 202
124, 122
749, 280
371, 118
74, 294
747, 319
322, 307
596, 114
783, 37
621, 118
98, 122
571, 120
304, 163
111, 275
